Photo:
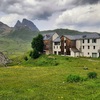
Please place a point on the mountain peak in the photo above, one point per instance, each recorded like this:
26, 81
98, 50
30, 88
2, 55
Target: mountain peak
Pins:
26, 23
18, 25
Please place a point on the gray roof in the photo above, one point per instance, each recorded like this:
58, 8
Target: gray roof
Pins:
73, 37
75, 50
48, 35
83, 36
57, 39
91, 36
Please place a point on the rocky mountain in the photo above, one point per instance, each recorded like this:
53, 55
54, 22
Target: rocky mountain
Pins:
26, 24
4, 29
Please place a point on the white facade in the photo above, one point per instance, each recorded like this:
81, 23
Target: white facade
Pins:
91, 49
57, 48
74, 54
87, 47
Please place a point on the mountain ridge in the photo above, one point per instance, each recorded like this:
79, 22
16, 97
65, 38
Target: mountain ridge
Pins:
4, 29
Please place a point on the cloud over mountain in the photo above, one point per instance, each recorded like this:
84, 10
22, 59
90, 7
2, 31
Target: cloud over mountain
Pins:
78, 12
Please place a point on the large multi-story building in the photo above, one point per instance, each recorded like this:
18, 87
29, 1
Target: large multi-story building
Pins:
87, 45
48, 42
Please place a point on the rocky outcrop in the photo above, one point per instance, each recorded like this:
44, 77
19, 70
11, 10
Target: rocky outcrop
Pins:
3, 59
26, 24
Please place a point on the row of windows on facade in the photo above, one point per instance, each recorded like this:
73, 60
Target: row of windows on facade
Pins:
65, 47
88, 41
89, 47
59, 47
55, 52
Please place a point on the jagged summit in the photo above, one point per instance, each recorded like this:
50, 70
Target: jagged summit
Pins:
26, 23
18, 24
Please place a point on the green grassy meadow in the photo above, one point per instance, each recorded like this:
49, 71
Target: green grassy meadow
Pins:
45, 79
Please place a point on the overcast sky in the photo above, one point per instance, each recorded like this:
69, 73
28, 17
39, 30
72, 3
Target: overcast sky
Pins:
82, 15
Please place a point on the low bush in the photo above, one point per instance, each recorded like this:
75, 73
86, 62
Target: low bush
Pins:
92, 75
34, 54
25, 58
75, 78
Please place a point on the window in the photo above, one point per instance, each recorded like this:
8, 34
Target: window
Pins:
88, 53
83, 41
88, 47
83, 47
94, 41
55, 52
94, 55
93, 47
88, 41
59, 53
57, 43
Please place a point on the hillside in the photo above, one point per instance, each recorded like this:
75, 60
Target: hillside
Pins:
65, 32
4, 29
24, 34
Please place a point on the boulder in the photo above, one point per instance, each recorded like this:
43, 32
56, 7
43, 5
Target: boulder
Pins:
3, 59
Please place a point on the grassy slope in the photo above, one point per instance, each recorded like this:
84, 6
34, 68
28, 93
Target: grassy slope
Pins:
17, 42
13, 47
46, 80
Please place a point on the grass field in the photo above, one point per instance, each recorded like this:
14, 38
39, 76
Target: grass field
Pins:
45, 79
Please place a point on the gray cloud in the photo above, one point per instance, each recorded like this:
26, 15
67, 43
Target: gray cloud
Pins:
81, 17
72, 13
40, 9
84, 2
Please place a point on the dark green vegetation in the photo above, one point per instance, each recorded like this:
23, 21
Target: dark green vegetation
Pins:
92, 75
34, 54
45, 78
37, 45
75, 78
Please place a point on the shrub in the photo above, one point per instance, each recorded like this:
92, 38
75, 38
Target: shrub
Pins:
73, 78
30, 54
92, 75
25, 58
34, 54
